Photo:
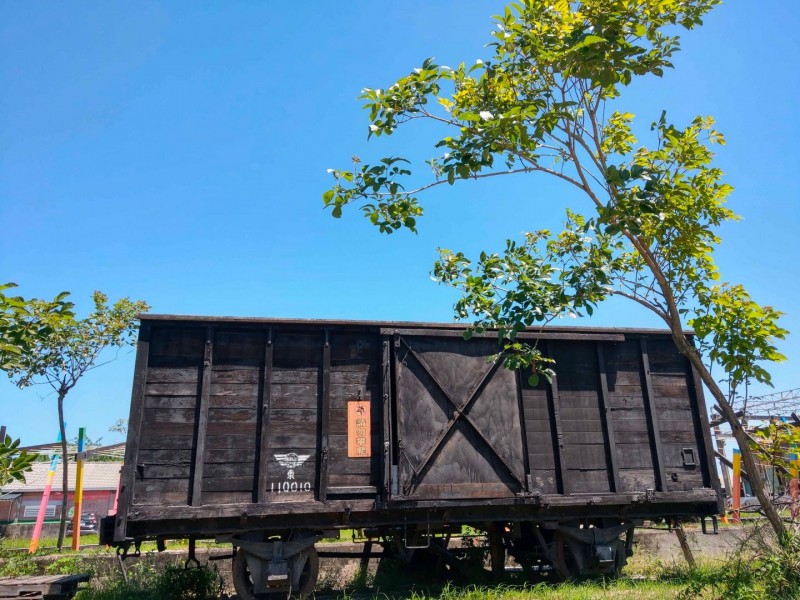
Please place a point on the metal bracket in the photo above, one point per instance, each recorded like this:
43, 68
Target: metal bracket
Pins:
427, 534
687, 455
192, 559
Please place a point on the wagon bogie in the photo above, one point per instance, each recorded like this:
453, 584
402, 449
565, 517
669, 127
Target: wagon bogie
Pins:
256, 425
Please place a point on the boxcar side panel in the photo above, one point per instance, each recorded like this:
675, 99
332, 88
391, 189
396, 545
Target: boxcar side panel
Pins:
355, 375
628, 415
167, 437
230, 452
581, 419
678, 420
293, 429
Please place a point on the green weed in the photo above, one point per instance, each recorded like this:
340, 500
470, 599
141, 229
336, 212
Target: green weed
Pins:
145, 582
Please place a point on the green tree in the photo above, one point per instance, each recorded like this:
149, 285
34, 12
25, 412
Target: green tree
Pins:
13, 462
648, 229
19, 332
64, 349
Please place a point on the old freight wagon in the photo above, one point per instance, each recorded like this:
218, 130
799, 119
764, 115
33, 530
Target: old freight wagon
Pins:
268, 432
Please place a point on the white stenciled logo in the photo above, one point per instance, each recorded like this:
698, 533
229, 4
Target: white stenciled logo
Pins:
291, 461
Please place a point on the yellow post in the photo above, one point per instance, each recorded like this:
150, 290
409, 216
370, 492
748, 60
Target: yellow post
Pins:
78, 499
736, 484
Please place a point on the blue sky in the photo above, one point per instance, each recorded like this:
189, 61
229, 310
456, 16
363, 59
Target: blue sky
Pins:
177, 152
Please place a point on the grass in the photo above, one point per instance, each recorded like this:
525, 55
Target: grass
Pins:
761, 570
653, 581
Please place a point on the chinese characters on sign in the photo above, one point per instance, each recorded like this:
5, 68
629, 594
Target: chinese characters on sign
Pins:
358, 429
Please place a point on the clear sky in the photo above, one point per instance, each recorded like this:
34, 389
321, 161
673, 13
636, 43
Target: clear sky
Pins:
177, 152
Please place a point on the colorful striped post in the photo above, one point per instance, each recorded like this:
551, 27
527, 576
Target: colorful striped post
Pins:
737, 485
78, 496
794, 486
48, 485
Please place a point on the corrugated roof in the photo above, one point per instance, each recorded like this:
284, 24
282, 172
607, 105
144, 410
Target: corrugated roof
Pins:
96, 476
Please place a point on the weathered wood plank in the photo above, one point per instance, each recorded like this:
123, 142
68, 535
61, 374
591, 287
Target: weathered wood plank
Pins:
128, 472
325, 418
635, 456
554, 401
241, 441
543, 481
173, 375
608, 421
228, 484
542, 461
185, 402
165, 442
249, 390
234, 416
586, 481
637, 480
652, 417
699, 406
386, 388
235, 498
198, 461
298, 376
171, 389
266, 410
586, 456
581, 425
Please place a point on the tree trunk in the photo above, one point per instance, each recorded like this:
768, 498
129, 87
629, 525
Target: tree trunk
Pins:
62, 527
754, 471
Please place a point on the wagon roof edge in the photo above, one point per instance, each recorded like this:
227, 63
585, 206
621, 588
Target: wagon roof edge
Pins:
210, 319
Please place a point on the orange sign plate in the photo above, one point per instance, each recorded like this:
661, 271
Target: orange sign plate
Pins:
358, 429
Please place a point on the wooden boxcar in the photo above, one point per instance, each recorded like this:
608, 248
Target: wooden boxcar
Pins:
267, 432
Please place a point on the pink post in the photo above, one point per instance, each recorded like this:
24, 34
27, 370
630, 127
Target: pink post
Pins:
37, 530
113, 511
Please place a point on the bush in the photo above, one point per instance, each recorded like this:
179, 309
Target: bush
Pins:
171, 583
69, 564
772, 573
17, 564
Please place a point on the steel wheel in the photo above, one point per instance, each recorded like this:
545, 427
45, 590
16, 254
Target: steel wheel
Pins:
243, 583
563, 560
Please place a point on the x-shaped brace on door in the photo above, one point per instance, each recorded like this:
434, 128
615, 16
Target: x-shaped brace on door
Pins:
459, 412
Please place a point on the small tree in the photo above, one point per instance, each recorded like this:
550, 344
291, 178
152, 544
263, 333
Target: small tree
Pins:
538, 105
19, 331
65, 348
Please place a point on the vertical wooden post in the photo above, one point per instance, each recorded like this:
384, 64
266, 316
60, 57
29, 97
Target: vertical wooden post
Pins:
606, 417
555, 420
386, 386
77, 501
737, 485
266, 401
326, 403
726, 478
113, 510
202, 420
687, 551
652, 417
127, 475
48, 486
